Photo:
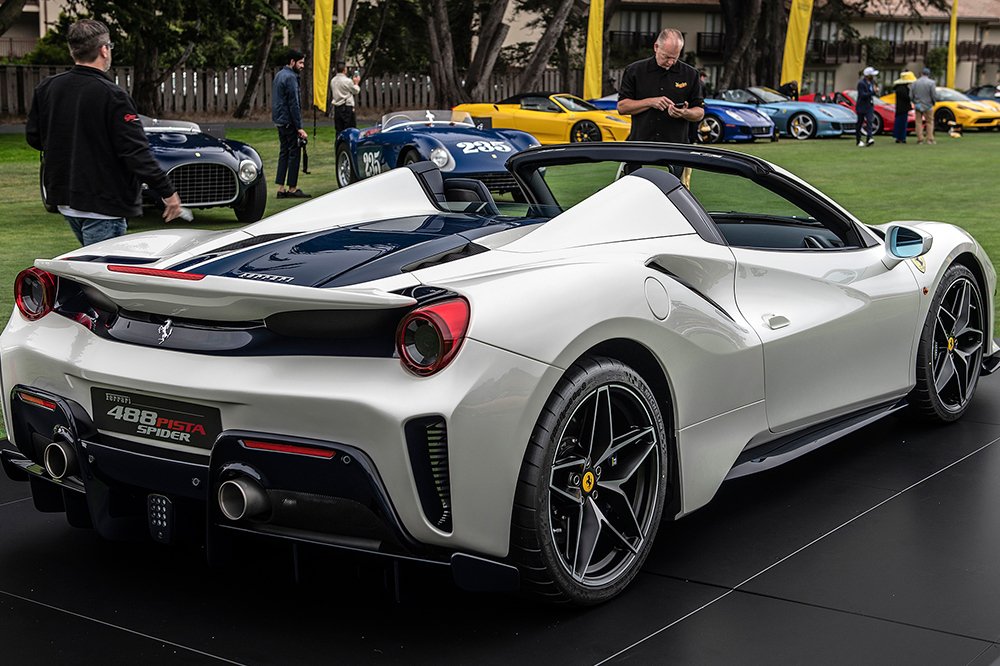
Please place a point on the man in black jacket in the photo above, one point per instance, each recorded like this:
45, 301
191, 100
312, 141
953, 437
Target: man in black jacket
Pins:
96, 152
287, 117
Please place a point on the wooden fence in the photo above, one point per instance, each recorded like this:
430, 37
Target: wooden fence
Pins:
216, 93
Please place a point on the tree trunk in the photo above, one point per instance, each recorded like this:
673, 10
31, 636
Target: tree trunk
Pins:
492, 32
144, 88
740, 18
10, 11
306, 82
259, 63
532, 73
345, 36
443, 75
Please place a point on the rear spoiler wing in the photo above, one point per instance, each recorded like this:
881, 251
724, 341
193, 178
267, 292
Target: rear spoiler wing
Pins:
211, 297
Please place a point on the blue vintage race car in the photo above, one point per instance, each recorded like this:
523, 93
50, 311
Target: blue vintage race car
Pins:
724, 121
449, 139
799, 120
208, 171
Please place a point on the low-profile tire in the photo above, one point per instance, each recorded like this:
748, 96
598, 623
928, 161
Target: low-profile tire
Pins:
251, 209
713, 130
583, 131
943, 118
950, 352
877, 125
345, 170
592, 485
802, 126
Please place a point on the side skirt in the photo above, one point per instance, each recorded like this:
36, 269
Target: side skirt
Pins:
790, 447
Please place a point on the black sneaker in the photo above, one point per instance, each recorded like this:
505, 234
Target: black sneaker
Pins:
282, 194
297, 194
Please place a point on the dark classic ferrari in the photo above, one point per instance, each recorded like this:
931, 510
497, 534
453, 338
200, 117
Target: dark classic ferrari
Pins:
207, 171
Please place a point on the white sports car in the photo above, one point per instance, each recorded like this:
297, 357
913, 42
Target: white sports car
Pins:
517, 390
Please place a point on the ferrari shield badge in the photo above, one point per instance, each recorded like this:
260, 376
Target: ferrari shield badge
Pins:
920, 264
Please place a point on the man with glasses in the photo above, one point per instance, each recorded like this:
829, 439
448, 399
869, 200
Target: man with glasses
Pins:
662, 94
96, 154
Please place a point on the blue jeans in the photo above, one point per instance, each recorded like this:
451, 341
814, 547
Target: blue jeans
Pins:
89, 230
899, 129
868, 118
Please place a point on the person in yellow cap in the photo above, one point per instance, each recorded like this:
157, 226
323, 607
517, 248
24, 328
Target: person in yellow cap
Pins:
901, 87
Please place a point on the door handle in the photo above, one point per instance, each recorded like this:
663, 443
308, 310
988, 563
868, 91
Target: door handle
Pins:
774, 322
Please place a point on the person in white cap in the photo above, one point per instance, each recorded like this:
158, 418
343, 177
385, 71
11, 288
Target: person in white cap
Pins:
864, 106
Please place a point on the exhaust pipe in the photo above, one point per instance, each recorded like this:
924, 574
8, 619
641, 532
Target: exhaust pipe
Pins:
241, 498
59, 459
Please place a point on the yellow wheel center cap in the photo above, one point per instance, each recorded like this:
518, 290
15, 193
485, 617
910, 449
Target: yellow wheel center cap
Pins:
588, 482
951, 344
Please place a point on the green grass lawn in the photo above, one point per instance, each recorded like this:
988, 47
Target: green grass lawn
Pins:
953, 181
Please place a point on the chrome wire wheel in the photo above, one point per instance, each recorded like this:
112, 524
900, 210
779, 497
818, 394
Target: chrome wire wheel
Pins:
345, 172
802, 126
710, 130
603, 485
592, 485
951, 349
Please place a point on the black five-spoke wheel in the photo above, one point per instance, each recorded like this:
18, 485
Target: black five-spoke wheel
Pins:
951, 347
592, 487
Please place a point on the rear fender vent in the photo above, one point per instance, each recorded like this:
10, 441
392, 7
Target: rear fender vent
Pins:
427, 443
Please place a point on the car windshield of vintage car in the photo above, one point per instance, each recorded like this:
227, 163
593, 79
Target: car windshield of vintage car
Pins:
573, 103
769, 95
949, 95
159, 125
425, 117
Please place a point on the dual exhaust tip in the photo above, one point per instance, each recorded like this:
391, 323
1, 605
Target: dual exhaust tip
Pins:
239, 498
242, 497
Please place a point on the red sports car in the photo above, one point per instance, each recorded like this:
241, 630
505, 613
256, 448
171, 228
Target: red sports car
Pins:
885, 114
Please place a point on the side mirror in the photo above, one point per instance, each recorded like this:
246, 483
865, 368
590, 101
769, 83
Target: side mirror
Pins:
903, 242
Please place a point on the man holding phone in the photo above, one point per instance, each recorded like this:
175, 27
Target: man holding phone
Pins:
662, 94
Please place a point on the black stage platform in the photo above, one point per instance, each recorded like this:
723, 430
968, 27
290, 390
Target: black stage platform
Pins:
883, 548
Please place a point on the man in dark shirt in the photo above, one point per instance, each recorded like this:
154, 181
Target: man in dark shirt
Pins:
286, 115
662, 94
96, 152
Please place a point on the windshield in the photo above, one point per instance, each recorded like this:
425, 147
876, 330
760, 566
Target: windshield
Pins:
572, 103
158, 125
853, 94
949, 95
400, 119
768, 95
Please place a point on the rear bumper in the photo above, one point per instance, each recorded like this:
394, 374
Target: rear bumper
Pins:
334, 499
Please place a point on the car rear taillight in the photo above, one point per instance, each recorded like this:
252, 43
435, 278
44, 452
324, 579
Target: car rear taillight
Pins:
34, 293
429, 337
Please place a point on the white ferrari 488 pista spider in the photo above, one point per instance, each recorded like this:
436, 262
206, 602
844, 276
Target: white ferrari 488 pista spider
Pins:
519, 389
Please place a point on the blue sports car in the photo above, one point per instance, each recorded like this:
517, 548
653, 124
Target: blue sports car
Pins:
799, 120
449, 139
724, 121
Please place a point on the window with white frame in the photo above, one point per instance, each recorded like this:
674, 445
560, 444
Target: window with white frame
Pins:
939, 34
645, 22
713, 23
819, 81
890, 31
824, 31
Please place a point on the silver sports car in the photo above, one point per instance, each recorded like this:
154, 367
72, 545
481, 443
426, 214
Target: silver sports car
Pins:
520, 390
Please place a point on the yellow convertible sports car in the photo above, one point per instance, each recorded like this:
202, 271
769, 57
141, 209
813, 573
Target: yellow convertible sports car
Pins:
552, 118
953, 106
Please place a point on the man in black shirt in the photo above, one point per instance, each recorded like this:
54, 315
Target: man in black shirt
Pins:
662, 94
96, 152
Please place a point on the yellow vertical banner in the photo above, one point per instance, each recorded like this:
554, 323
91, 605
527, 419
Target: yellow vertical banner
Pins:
799, 18
322, 35
593, 64
952, 41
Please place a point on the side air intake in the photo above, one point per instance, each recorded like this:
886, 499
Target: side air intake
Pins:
427, 442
